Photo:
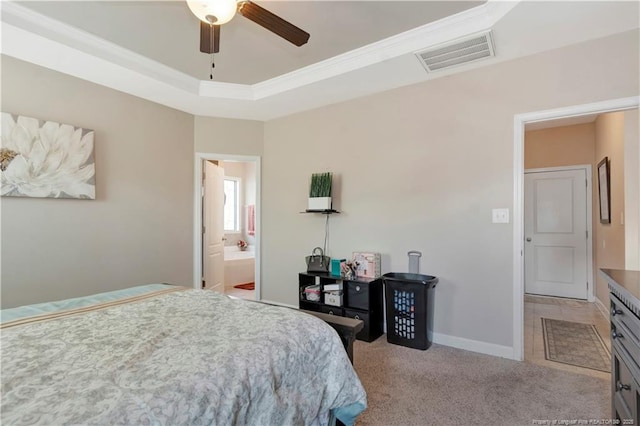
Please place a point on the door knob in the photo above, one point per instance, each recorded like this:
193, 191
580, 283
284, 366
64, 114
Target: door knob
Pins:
528, 239
622, 387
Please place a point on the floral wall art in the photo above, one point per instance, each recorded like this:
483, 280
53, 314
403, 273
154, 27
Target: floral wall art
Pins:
45, 159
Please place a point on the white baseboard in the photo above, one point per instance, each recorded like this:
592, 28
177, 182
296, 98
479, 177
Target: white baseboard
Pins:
286, 305
603, 309
474, 345
443, 339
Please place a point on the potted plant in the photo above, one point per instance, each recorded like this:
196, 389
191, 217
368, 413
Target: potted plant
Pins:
320, 191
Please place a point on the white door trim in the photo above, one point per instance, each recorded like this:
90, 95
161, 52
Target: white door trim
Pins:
519, 121
197, 214
587, 169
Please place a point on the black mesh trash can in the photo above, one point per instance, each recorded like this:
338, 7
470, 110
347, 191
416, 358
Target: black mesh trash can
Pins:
409, 309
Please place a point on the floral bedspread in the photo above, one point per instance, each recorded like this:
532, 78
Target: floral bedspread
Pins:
189, 357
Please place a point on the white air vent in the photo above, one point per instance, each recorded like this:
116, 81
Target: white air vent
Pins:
458, 52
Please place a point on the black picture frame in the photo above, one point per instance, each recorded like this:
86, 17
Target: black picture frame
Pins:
604, 190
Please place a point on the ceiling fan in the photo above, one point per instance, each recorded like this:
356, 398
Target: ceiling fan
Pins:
214, 13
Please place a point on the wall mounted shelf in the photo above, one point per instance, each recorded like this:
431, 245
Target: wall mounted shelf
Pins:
328, 211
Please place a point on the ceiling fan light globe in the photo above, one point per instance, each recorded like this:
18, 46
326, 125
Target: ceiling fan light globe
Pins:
222, 10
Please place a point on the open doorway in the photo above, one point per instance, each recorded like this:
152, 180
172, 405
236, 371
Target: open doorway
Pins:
227, 218
520, 121
558, 272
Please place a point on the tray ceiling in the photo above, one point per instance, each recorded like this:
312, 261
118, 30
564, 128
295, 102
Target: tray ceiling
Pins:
167, 32
150, 49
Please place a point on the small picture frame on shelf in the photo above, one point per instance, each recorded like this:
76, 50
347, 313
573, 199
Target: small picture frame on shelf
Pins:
367, 264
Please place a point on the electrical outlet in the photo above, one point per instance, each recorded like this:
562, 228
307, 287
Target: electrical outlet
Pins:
500, 215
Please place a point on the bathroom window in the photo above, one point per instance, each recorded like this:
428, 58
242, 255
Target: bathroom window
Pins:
231, 204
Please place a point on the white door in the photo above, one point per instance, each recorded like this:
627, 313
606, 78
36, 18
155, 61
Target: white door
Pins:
213, 227
555, 231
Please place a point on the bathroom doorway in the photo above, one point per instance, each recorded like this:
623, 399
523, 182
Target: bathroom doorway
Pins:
232, 220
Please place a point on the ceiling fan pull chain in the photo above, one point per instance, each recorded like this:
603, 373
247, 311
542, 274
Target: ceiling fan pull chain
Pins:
213, 65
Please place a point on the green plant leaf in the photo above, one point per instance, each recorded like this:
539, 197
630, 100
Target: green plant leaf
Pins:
320, 185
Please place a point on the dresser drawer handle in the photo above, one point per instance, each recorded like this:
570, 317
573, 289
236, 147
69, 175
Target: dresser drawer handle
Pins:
357, 288
615, 312
330, 312
357, 317
616, 335
622, 387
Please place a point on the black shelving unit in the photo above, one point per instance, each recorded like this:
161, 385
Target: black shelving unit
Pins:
362, 299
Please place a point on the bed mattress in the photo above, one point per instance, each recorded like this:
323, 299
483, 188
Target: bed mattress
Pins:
161, 354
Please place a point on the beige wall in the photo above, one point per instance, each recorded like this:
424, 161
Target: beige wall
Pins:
610, 237
559, 146
139, 228
632, 189
421, 167
228, 136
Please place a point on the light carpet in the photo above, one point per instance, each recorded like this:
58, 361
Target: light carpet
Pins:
448, 386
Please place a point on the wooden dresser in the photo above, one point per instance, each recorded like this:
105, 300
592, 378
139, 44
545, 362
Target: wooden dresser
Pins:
624, 288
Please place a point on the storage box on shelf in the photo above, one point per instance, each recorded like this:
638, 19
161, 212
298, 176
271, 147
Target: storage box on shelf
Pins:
333, 298
361, 299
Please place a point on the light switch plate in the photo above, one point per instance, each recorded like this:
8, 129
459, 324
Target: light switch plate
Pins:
500, 215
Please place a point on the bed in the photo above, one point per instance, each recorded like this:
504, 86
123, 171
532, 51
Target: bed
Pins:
161, 354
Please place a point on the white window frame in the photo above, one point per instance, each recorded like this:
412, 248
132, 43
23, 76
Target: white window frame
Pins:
238, 220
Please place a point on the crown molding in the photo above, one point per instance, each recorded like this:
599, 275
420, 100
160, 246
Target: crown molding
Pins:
33, 22
468, 22
35, 38
214, 89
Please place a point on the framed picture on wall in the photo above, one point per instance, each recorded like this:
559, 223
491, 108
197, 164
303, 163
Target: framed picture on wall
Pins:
604, 189
46, 159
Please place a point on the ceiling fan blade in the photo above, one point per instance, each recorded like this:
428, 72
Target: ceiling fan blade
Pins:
273, 23
209, 38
